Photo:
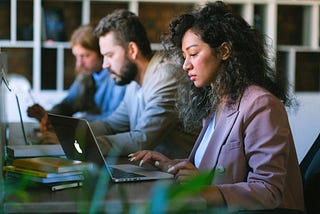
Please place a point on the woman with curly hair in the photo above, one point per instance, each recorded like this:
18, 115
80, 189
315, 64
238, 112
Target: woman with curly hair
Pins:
246, 138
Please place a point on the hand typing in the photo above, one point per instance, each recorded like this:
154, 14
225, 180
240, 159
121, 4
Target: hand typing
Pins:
182, 169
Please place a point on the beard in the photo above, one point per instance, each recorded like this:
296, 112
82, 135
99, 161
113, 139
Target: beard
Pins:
128, 73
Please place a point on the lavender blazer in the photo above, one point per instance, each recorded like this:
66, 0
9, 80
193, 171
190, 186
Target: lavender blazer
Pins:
253, 154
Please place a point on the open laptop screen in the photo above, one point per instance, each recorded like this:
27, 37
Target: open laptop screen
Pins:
79, 143
76, 139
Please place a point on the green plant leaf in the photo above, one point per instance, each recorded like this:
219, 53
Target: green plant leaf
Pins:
191, 186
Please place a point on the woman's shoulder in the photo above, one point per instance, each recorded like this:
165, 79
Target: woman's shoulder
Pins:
257, 95
254, 91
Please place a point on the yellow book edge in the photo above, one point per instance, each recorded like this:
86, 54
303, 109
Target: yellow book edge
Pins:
37, 173
51, 164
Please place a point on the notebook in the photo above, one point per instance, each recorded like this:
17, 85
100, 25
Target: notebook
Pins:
79, 143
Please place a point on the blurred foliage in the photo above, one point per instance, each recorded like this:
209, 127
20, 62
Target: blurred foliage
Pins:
166, 196
179, 197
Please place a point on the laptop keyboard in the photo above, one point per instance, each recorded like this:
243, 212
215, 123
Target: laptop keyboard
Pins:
118, 173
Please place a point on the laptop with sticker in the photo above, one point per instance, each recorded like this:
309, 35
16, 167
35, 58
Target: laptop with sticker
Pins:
79, 143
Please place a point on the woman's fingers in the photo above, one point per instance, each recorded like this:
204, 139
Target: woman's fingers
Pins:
148, 156
141, 156
138, 156
183, 169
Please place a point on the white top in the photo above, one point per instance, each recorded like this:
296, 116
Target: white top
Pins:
204, 142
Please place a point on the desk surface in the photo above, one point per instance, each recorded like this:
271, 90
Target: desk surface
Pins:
43, 200
114, 198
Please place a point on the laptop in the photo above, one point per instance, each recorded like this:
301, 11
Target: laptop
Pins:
79, 143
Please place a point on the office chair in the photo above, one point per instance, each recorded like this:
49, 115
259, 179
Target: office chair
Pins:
310, 172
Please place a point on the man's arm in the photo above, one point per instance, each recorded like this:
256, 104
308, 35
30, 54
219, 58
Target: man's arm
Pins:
153, 119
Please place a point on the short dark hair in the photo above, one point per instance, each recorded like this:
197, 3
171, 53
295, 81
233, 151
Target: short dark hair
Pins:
127, 27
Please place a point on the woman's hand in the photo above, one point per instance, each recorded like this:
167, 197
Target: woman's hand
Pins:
183, 169
154, 158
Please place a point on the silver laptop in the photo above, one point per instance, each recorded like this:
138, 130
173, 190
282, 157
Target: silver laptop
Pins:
79, 143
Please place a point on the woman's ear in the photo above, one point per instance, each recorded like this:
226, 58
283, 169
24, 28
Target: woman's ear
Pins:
133, 50
225, 50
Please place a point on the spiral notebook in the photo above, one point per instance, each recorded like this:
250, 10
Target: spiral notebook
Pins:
79, 143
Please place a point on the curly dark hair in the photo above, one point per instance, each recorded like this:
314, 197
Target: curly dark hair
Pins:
127, 27
248, 63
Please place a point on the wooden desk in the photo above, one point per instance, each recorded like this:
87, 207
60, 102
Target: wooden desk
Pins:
115, 198
43, 200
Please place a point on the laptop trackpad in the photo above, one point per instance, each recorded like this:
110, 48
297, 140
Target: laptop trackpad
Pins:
148, 172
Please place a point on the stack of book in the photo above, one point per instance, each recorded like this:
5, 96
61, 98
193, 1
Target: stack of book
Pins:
26, 151
57, 173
